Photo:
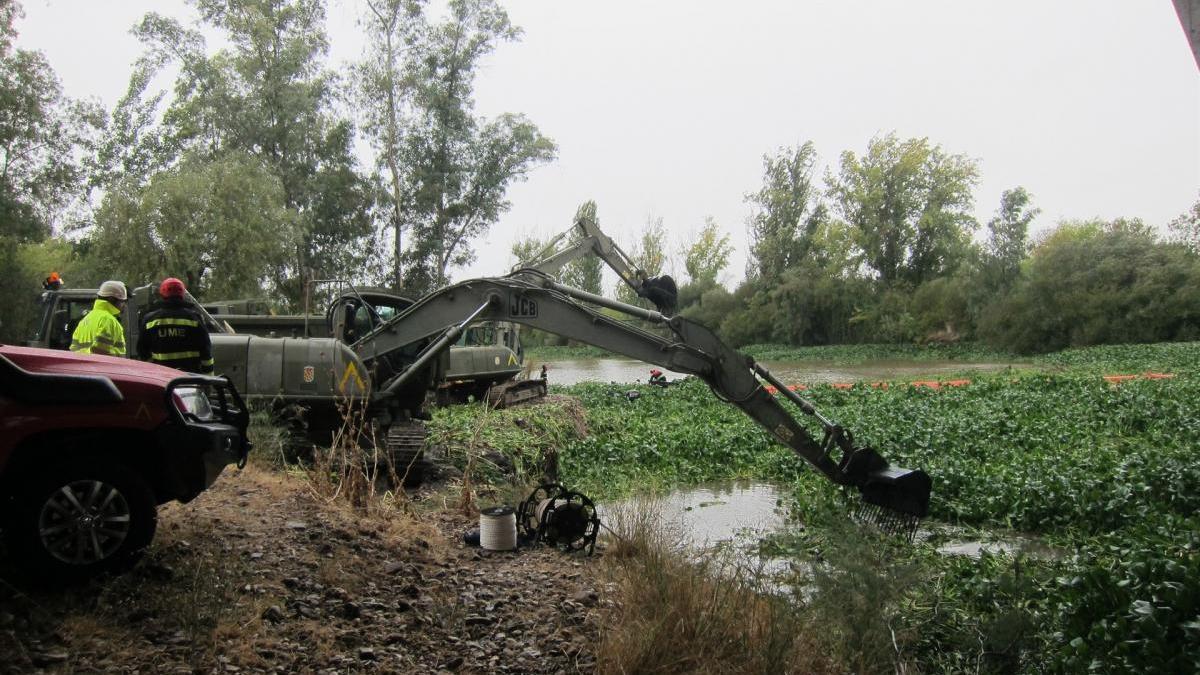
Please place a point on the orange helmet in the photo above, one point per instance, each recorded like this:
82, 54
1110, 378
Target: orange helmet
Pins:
171, 288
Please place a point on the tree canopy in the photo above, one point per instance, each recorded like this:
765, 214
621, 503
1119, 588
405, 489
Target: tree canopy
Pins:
909, 203
448, 169
708, 254
787, 211
222, 225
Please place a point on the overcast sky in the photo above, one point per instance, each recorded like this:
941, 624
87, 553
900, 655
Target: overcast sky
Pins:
665, 109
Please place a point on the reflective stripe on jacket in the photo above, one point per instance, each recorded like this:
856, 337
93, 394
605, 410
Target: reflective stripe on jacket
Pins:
100, 331
174, 336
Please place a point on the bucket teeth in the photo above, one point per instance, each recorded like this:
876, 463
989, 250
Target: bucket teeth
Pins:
886, 520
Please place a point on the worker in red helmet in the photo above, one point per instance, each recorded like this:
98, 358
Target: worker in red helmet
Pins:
174, 335
657, 378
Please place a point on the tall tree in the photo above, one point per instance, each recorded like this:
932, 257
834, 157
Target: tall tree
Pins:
268, 95
708, 253
585, 273
527, 249
384, 87
910, 204
456, 166
1008, 238
134, 145
42, 135
787, 210
649, 255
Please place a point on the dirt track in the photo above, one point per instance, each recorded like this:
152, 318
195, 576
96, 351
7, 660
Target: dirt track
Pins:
258, 575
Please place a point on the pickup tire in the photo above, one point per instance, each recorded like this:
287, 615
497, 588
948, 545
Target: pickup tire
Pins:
79, 519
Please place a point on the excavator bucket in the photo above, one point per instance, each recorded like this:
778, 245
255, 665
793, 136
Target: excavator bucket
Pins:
895, 500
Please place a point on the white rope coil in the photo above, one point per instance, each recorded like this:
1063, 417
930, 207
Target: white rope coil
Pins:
498, 528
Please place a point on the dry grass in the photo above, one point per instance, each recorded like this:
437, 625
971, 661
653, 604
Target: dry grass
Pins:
354, 470
356, 486
679, 613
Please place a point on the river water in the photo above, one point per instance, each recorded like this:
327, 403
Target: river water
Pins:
734, 516
731, 517
628, 371
713, 514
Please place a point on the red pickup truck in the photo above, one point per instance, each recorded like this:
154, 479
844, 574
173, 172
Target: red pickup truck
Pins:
91, 445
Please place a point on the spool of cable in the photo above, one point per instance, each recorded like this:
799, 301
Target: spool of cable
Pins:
498, 528
557, 516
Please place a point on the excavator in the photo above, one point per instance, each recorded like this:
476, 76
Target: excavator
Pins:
893, 498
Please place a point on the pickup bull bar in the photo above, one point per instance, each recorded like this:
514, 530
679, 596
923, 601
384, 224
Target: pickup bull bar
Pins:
227, 407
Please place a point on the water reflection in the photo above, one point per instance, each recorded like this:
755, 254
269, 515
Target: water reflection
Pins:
732, 517
713, 513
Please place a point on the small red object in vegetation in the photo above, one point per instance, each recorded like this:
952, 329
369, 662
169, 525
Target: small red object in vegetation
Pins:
1117, 379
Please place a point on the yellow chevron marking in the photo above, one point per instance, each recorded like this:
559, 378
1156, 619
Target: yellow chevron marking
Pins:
351, 370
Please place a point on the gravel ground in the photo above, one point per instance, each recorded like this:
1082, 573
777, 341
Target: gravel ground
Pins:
259, 575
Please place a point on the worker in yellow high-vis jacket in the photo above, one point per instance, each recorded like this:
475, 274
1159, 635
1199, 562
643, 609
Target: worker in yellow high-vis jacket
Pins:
174, 335
100, 331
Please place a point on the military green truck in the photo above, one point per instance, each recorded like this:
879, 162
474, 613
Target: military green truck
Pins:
484, 364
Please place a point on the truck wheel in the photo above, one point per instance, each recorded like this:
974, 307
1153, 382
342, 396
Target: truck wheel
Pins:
73, 522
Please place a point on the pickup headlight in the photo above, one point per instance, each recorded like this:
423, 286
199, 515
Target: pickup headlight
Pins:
193, 401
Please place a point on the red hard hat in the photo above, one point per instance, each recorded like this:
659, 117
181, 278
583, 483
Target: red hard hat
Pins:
656, 372
171, 288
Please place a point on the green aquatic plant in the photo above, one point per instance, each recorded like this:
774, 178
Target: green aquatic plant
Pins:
1107, 472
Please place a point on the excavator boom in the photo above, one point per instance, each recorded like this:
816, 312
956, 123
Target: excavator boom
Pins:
898, 498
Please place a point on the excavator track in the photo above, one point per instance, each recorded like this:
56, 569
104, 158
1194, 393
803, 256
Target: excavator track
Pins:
513, 392
405, 448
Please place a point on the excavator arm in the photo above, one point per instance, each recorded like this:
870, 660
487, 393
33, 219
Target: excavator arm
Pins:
586, 238
898, 497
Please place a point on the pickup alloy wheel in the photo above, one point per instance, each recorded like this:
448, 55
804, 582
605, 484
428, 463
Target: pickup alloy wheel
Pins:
84, 522
80, 519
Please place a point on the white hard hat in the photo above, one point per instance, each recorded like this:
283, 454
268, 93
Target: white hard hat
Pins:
114, 290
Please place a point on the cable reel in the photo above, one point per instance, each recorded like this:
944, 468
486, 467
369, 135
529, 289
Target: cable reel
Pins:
559, 517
